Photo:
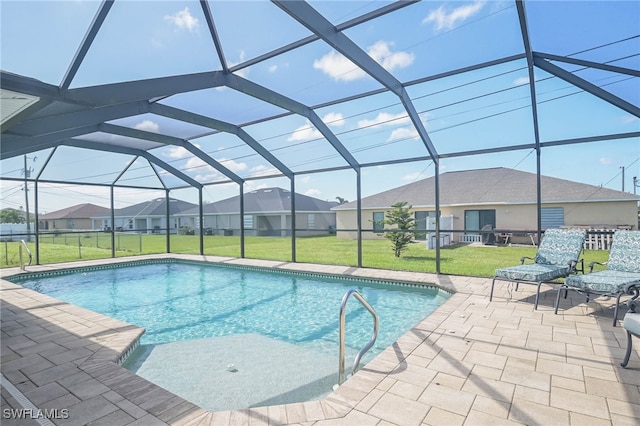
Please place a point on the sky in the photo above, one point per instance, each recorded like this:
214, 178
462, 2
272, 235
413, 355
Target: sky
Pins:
484, 109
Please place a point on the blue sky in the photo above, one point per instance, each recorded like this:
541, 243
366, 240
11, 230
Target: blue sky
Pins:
487, 108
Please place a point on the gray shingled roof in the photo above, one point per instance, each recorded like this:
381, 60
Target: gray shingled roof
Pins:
490, 186
79, 211
156, 207
266, 200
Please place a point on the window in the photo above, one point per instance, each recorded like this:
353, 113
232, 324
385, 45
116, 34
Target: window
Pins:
475, 220
248, 221
378, 217
311, 221
69, 224
552, 217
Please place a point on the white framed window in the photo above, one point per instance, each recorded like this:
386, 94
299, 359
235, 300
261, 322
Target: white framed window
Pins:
311, 221
378, 217
248, 221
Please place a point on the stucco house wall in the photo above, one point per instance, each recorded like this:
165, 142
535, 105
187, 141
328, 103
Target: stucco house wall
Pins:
267, 213
594, 214
511, 194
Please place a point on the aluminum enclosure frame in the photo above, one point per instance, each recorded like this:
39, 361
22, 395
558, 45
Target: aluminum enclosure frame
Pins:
92, 108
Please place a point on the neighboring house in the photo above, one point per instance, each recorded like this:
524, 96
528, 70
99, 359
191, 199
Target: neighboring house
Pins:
267, 212
500, 197
78, 217
148, 217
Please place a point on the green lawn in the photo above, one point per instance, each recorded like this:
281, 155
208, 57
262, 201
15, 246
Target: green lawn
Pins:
480, 261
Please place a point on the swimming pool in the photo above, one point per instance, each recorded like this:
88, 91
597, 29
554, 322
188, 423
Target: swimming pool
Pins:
226, 337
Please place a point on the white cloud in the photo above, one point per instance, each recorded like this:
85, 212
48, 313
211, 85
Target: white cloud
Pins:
629, 119
184, 20
312, 192
204, 172
606, 160
340, 68
177, 152
382, 53
384, 118
305, 179
272, 68
304, 133
520, 81
148, 126
333, 119
232, 165
402, 133
244, 72
263, 170
444, 20
412, 176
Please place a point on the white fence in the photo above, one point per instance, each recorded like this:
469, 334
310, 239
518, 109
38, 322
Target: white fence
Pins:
598, 239
14, 231
470, 238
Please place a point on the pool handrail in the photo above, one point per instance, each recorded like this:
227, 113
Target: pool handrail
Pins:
374, 336
22, 265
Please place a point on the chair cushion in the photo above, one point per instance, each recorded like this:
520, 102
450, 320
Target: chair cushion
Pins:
625, 251
607, 281
632, 322
533, 272
560, 246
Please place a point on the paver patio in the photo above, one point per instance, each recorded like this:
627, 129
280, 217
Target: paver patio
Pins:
470, 362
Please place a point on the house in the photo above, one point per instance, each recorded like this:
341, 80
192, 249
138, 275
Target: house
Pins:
147, 217
500, 197
267, 212
78, 217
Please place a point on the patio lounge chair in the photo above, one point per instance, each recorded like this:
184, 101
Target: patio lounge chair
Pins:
623, 269
557, 257
631, 322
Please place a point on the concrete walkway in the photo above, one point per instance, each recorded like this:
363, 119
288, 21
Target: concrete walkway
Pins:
471, 362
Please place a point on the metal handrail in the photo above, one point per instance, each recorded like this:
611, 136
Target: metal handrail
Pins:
22, 266
374, 336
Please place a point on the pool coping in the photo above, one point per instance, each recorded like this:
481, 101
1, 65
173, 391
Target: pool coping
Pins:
105, 340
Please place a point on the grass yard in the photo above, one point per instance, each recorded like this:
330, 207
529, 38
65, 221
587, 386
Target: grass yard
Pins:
478, 261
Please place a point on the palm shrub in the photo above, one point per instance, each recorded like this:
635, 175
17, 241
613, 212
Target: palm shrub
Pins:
402, 224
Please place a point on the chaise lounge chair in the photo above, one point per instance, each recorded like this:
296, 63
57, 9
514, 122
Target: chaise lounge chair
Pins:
557, 257
623, 269
631, 322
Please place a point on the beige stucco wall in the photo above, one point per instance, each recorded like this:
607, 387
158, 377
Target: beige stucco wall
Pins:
592, 214
75, 224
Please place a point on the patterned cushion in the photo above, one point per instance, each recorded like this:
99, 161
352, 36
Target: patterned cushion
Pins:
625, 252
560, 246
632, 322
607, 281
533, 272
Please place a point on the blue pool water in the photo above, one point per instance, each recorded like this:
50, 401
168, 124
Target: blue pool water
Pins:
228, 315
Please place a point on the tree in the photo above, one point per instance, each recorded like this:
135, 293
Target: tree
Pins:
341, 200
11, 216
403, 222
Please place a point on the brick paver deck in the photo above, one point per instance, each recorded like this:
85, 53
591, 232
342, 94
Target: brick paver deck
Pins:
471, 362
